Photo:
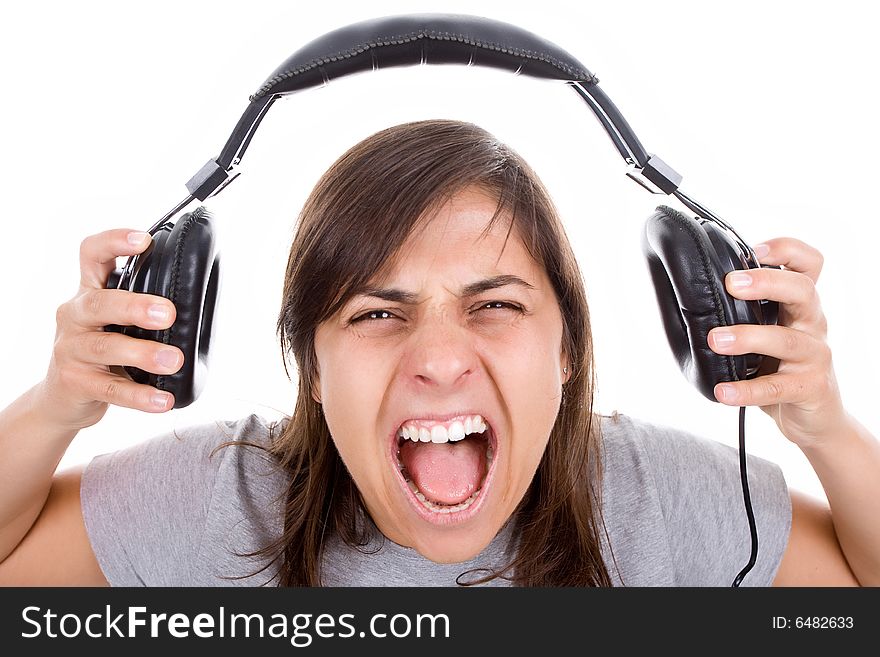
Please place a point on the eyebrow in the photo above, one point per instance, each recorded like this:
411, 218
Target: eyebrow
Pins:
397, 295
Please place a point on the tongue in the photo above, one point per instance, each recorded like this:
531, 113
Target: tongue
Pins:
446, 473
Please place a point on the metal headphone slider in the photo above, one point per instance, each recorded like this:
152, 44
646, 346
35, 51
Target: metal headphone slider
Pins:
656, 176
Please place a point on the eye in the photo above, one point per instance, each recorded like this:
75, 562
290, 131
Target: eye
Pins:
373, 315
499, 305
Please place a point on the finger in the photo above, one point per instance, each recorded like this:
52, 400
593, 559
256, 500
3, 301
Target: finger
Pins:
106, 348
97, 308
766, 390
794, 289
119, 391
787, 344
98, 253
794, 255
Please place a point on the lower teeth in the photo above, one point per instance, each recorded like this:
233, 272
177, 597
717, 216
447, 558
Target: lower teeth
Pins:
442, 508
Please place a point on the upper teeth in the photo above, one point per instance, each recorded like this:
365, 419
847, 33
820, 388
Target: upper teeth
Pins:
442, 432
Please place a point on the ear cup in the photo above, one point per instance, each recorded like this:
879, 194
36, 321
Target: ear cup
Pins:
688, 260
182, 265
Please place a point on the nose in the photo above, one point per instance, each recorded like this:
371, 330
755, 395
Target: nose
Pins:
442, 356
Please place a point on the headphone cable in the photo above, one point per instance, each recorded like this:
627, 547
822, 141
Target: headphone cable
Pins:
746, 497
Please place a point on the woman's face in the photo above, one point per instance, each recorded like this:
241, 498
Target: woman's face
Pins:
463, 334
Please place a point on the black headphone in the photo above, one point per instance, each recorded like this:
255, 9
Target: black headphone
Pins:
688, 257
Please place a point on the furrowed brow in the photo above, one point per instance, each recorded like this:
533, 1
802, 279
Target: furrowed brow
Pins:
392, 294
491, 283
396, 295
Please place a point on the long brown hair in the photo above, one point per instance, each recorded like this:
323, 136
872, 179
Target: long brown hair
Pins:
372, 197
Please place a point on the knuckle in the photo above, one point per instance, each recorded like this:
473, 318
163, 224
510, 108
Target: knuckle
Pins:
828, 385
67, 377
61, 313
100, 345
743, 393
84, 247
792, 341
796, 245
60, 344
806, 283
773, 389
766, 283
110, 389
93, 302
58, 348
824, 354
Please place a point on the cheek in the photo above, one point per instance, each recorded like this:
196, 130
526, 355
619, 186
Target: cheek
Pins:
529, 378
527, 366
353, 383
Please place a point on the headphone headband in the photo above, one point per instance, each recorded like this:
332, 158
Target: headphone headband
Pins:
430, 39
422, 39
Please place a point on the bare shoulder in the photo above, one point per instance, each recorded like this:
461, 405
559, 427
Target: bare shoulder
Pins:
56, 551
813, 556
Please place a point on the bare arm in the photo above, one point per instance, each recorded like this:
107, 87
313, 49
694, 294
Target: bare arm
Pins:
56, 549
837, 545
31, 449
42, 535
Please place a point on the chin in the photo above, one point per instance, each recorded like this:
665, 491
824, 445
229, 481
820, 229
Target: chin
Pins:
452, 547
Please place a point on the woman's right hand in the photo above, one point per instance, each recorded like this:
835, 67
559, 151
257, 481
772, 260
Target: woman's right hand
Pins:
85, 374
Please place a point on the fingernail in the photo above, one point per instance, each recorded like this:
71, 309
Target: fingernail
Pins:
761, 250
723, 338
137, 238
161, 400
158, 312
740, 279
168, 358
725, 392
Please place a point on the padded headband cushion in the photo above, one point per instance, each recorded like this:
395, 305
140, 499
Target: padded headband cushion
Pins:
183, 278
689, 281
413, 39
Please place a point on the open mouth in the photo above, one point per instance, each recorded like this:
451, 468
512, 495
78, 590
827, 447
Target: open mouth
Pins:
445, 466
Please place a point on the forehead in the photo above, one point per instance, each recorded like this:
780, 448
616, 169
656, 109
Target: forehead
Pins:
458, 238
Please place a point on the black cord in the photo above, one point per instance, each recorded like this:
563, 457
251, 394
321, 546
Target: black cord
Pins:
746, 497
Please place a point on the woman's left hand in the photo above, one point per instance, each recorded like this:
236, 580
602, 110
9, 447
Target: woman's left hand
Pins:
802, 394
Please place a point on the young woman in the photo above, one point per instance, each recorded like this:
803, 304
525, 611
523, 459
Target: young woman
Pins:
444, 431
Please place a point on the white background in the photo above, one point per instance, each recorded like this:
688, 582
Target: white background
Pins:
767, 109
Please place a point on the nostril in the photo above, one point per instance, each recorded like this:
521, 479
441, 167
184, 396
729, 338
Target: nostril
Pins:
446, 376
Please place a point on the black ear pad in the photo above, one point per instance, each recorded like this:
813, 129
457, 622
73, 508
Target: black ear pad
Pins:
182, 265
688, 260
